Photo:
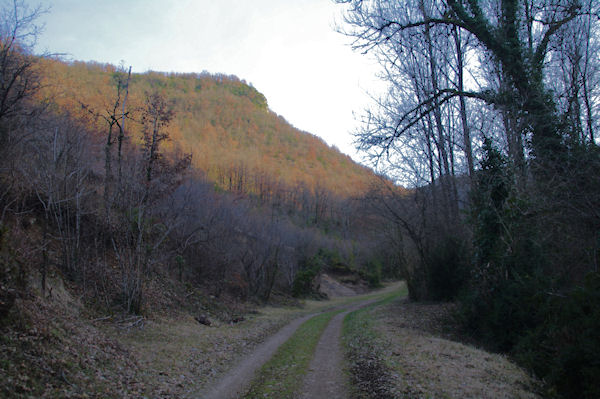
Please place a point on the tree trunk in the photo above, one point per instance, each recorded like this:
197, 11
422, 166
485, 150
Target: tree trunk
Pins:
463, 107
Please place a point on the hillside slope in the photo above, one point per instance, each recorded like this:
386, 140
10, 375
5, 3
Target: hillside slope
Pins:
225, 123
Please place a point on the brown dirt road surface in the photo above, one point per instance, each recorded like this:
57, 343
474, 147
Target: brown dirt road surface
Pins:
422, 365
326, 370
326, 377
234, 383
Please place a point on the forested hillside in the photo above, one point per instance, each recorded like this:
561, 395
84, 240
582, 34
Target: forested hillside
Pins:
135, 195
223, 122
187, 176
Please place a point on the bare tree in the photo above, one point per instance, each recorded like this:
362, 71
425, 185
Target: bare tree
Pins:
517, 35
114, 115
516, 68
19, 82
19, 77
156, 117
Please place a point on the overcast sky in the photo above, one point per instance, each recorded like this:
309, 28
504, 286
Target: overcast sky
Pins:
287, 49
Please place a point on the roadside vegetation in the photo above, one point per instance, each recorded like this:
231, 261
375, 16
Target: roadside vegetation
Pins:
129, 242
491, 119
400, 349
56, 349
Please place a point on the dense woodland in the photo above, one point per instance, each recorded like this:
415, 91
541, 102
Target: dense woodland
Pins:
223, 121
492, 115
122, 181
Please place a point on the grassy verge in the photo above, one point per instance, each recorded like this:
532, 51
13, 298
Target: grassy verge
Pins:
369, 372
283, 375
401, 349
178, 357
52, 348
428, 362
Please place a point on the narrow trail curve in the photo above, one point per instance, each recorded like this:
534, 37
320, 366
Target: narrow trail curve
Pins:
326, 378
235, 382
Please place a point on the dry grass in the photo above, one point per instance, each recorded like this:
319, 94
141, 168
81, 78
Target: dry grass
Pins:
370, 376
47, 352
53, 348
178, 356
426, 365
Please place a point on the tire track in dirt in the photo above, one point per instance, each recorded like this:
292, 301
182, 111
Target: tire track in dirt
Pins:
328, 356
237, 380
326, 378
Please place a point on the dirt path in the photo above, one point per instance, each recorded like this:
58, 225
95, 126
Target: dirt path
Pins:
325, 373
326, 378
327, 364
234, 383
